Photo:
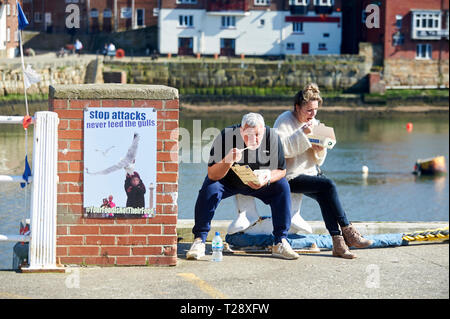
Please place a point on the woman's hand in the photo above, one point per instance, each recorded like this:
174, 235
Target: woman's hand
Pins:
317, 148
307, 128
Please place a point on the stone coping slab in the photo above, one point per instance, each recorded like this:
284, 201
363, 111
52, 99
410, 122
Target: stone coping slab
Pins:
113, 91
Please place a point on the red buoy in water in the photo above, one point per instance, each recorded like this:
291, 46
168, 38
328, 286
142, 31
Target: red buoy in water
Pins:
409, 127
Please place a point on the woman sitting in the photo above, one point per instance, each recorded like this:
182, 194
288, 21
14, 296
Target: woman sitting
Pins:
303, 174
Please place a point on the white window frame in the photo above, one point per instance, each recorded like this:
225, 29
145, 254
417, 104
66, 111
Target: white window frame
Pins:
186, 1
108, 14
419, 18
298, 2
143, 17
261, 2
297, 27
126, 13
37, 16
324, 3
94, 13
322, 46
290, 46
185, 21
228, 22
428, 51
398, 20
400, 40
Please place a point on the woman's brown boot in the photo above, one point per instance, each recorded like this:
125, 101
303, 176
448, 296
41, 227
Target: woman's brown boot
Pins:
340, 249
353, 238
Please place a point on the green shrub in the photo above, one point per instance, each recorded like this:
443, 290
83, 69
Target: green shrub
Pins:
237, 90
227, 90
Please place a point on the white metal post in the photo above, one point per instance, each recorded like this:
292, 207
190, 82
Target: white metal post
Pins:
42, 249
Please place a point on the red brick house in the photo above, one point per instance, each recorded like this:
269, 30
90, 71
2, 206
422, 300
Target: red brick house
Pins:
413, 35
95, 15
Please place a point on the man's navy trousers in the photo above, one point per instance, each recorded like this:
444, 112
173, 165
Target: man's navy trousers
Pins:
277, 195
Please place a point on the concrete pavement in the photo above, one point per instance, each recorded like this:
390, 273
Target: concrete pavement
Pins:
414, 271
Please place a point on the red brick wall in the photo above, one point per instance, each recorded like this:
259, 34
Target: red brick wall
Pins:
144, 241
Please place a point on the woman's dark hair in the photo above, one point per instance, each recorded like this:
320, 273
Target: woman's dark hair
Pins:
309, 93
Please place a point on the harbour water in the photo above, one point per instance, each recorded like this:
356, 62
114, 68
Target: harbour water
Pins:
379, 141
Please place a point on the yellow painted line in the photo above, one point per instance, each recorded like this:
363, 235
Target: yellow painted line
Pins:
203, 285
12, 296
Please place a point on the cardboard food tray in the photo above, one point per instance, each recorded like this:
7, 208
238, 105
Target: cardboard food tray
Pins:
322, 135
245, 173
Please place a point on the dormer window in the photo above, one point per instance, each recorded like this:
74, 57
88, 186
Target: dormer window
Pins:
262, 2
323, 6
298, 7
328, 3
298, 2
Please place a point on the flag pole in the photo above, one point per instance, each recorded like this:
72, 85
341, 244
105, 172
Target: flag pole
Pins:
23, 70
21, 23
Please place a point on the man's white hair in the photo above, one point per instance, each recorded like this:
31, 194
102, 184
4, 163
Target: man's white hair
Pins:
252, 120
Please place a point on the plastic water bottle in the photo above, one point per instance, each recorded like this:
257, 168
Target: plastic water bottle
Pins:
217, 247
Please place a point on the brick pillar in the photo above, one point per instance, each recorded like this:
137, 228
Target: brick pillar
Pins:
115, 241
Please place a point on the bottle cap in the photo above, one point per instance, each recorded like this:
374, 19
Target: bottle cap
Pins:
217, 233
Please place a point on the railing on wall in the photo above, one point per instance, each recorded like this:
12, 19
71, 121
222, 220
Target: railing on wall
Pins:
42, 239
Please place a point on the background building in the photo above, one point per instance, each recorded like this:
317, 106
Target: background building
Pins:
413, 40
9, 38
95, 15
250, 27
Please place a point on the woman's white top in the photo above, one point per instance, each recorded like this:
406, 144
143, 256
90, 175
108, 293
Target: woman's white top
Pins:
300, 157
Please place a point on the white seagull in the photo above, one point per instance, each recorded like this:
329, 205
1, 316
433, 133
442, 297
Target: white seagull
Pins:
126, 163
105, 151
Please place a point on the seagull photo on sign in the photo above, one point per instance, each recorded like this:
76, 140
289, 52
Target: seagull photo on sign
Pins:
126, 163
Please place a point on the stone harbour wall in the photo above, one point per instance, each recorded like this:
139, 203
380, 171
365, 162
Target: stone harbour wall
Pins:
406, 72
53, 72
330, 72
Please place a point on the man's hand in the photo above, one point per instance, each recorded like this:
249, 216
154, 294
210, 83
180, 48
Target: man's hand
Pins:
220, 169
255, 186
234, 155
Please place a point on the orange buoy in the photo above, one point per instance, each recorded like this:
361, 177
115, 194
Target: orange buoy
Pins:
409, 127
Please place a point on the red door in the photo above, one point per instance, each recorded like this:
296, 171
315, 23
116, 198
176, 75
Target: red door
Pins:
305, 48
185, 46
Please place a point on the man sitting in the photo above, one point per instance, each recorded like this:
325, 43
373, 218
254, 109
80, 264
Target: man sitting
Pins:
258, 146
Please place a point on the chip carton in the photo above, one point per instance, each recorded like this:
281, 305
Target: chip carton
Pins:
322, 135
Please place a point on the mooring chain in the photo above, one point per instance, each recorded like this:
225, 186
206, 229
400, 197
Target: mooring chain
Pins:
424, 235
